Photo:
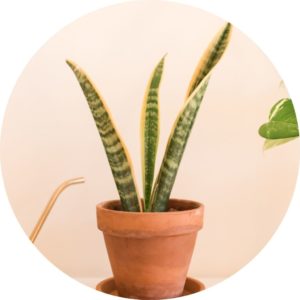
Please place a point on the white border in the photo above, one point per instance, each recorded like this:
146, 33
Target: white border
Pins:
26, 25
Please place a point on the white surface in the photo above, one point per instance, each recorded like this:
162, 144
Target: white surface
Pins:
22, 265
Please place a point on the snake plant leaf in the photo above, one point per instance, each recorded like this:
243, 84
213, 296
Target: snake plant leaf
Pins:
150, 131
282, 121
115, 149
175, 148
211, 57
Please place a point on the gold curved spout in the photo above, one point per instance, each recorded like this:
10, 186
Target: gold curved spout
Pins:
50, 204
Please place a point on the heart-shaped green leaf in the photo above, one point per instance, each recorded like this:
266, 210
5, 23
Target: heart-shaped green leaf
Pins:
282, 121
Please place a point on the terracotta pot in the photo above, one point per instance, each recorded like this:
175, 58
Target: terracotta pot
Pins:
150, 252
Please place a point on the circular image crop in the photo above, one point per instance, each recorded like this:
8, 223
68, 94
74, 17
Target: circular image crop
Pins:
173, 112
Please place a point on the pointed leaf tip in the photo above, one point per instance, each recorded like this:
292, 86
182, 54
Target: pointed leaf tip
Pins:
211, 57
70, 64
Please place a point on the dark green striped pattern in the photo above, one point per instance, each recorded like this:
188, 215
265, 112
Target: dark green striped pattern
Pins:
115, 150
150, 131
211, 57
185, 120
175, 149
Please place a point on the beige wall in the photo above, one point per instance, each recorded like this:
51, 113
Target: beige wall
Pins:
49, 136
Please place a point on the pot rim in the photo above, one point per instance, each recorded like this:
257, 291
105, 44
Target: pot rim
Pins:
152, 224
196, 206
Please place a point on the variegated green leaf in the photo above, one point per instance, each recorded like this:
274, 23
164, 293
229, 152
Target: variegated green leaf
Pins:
175, 148
211, 57
269, 144
150, 131
278, 130
282, 121
283, 111
116, 152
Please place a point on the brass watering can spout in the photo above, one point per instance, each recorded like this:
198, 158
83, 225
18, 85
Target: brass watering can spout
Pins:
50, 204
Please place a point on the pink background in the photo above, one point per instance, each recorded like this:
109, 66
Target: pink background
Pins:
49, 135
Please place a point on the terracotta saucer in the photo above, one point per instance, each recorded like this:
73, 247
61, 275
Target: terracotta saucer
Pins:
191, 286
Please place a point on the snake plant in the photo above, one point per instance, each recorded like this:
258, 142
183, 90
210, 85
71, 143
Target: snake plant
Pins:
155, 196
282, 126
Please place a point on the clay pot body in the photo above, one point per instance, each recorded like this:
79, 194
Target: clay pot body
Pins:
150, 252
